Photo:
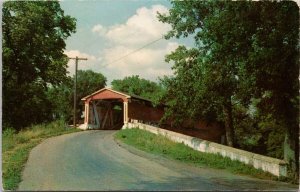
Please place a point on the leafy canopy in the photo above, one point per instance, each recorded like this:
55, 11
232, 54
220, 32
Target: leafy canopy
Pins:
138, 86
33, 43
245, 60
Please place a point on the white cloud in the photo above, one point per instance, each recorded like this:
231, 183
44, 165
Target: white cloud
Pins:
148, 63
82, 64
77, 53
140, 29
101, 30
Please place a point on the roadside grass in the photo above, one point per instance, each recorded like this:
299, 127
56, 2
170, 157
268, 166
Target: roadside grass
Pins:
160, 145
17, 146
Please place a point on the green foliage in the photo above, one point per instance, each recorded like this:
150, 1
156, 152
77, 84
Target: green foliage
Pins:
257, 133
87, 82
246, 54
209, 72
17, 146
139, 86
33, 42
160, 145
9, 135
62, 107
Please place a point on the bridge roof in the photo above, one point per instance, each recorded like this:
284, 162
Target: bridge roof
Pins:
108, 93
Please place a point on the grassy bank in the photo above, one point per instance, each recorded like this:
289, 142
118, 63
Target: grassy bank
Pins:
160, 145
17, 146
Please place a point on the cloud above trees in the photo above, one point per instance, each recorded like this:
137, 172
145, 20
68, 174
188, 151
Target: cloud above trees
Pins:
140, 29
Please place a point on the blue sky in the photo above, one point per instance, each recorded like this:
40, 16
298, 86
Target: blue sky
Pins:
108, 30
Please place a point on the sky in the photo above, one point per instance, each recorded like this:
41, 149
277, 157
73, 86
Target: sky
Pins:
110, 29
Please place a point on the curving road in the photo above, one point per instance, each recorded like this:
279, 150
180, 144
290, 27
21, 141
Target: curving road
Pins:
92, 160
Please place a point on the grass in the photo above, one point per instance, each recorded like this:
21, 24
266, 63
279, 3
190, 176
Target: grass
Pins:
160, 145
17, 146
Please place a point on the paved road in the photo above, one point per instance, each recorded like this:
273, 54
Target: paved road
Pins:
92, 160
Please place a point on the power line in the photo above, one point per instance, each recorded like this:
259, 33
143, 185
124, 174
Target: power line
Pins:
152, 42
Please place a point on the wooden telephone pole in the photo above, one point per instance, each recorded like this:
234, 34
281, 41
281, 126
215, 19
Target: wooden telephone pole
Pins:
75, 87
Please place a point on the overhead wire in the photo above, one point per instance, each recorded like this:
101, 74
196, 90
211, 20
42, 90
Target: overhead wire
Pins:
136, 50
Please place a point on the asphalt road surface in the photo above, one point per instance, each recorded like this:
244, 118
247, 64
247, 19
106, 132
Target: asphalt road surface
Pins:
92, 160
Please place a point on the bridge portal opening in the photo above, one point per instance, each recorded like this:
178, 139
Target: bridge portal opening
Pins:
105, 114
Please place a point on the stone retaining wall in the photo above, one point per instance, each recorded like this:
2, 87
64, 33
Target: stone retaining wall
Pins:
275, 166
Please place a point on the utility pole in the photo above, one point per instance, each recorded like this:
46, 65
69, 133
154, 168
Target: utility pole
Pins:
75, 86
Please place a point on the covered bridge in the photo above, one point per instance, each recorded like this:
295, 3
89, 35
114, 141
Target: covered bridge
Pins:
110, 109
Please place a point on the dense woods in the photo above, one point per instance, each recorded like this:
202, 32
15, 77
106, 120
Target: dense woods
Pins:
243, 72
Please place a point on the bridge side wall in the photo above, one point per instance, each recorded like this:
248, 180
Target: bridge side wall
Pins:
274, 166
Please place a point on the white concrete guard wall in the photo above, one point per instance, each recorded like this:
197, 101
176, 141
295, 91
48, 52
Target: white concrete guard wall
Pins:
275, 166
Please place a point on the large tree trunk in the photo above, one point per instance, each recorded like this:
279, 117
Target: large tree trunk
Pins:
229, 123
291, 141
291, 152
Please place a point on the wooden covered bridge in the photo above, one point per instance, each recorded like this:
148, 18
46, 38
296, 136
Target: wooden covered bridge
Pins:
110, 109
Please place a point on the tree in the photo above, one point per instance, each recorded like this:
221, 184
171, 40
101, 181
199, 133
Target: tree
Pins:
88, 82
273, 67
244, 52
62, 108
138, 86
187, 95
216, 68
33, 44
